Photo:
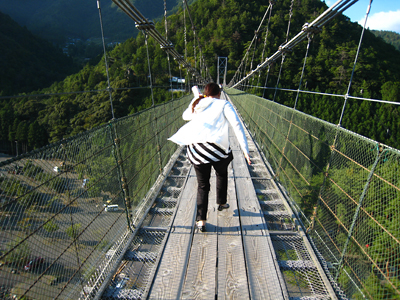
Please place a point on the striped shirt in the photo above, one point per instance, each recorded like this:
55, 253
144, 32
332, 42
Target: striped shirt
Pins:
205, 153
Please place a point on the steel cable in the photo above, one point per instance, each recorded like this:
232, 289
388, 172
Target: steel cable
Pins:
355, 63
105, 59
315, 25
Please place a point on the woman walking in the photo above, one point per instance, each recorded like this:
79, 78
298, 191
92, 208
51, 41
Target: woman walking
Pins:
207, 140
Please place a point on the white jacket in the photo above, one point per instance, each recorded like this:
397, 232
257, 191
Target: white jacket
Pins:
210, 123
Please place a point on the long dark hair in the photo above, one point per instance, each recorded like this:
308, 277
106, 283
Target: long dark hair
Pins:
211, 89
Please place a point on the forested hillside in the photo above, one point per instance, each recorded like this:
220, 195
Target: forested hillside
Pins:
28, 62
225, 29
389, 37
57, 20
74, 25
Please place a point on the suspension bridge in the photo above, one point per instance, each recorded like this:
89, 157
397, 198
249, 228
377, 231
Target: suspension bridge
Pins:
110, 213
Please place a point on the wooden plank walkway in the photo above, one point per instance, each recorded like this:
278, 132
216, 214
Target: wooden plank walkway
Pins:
256, 249
264, 276
234, 259
169, 280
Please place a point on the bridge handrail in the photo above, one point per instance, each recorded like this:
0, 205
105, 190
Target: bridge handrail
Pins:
352, 182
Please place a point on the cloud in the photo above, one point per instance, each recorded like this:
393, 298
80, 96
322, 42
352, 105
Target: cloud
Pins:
389, 20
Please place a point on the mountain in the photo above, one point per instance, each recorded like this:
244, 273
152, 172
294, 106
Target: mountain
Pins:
74, 25
390, 37
28, 62
225, 29
58, 20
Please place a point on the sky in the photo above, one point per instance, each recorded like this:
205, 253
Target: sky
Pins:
384, 14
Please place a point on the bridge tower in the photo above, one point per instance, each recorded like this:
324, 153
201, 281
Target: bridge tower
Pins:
221, 69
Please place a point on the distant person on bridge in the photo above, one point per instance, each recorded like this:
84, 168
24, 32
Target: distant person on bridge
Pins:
207, 140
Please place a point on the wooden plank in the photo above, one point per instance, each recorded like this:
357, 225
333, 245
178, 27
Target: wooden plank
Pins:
232, 279
201, 273
169, 279
201, 281
263, 271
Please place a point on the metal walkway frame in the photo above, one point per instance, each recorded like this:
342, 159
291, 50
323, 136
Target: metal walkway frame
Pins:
256, 249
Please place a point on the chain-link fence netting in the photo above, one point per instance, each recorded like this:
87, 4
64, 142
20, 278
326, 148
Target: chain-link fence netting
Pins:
65, 206
345, 188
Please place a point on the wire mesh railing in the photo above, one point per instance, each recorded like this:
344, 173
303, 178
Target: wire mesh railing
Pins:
344, 188
303, 277
63, 207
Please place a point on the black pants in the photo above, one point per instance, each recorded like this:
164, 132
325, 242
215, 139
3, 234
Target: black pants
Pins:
203, 173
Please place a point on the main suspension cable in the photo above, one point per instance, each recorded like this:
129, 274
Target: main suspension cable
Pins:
148, 27
320, 21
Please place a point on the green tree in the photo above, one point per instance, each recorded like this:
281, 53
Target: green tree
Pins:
51, 227
36, 135
6, 120
73, 231
20, 252
391, 91
21, 136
